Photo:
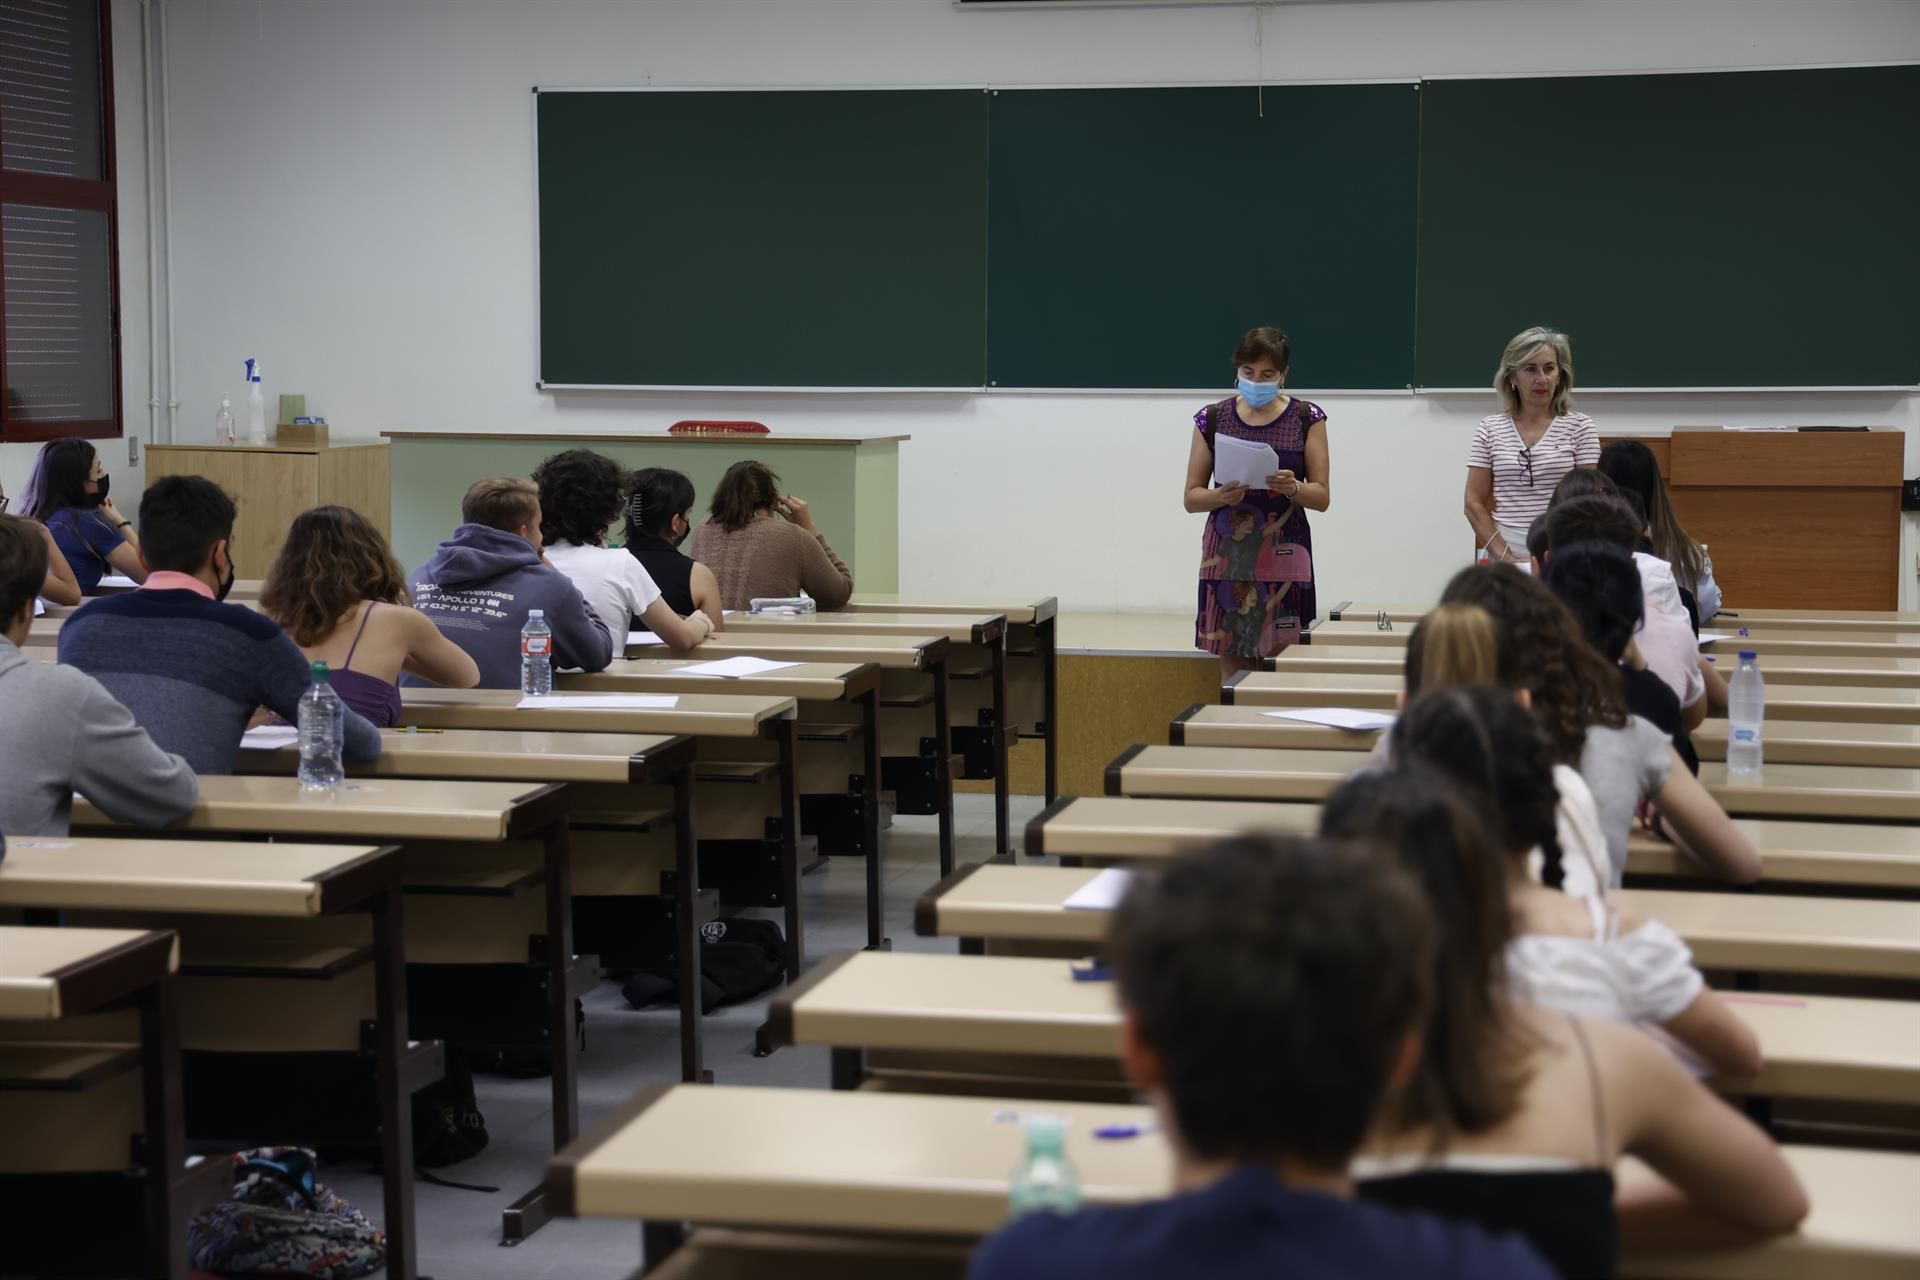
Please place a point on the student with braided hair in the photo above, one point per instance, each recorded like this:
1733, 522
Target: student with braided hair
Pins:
1517, 1111
1578, 698
1572, 953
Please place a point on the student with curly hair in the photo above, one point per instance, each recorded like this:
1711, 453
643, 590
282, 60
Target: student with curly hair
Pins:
582, 494
1577, 696
337, 590
1520, 1107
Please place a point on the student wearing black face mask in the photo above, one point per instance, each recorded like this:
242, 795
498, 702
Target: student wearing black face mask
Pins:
191, 668
67, 492
659, 519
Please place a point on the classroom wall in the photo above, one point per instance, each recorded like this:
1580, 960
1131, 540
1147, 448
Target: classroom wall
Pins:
353, 203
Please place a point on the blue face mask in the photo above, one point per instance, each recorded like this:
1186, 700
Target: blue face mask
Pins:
1259, 394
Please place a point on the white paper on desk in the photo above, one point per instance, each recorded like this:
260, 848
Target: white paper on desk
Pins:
39, 606
734, 668
642, 639
269, 737
1708, 637
119, 580
1102, 893
1243, 462
1338, 718
600, 702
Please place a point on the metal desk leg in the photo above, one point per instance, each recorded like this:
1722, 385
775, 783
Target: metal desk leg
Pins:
1045, 635
870, 820
943, 762
786, 733
396, 1100
686, 927
166, 1137
531, 1211
1002, 781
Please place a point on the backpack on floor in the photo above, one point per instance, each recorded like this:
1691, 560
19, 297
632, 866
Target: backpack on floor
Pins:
447, 1124
739, 959
282, 1221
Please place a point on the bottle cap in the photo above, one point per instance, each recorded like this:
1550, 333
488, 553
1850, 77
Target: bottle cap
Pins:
319, 672
1748, 655
253, 369
536, 613
1045, 1131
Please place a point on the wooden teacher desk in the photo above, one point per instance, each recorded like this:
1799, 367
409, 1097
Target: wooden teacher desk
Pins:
877, 1163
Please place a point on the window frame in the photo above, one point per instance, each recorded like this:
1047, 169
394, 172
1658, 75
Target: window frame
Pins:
94, 196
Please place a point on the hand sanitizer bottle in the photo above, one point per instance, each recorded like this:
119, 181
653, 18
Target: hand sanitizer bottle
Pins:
223, 422
256, 405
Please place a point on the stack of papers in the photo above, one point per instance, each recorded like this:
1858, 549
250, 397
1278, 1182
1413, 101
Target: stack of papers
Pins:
269, 737
601, 702
1243, 462
1102, 893
1338, 718
733, 668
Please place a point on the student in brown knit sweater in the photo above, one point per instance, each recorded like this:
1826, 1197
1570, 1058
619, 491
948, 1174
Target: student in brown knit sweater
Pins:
763, 545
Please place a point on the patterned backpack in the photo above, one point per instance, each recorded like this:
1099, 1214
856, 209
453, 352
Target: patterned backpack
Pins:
282, 1221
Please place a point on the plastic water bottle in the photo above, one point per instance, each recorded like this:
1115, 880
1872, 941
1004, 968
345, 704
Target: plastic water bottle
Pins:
256, 405
536, 654
323, 732
1746, 715
1046, 1181
223, 422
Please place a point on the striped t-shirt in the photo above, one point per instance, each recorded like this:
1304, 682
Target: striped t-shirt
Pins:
1523, 478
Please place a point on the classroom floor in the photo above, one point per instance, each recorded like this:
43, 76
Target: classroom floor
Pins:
460, 1230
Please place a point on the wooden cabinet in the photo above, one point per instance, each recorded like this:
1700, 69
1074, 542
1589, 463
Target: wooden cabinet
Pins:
1793, 519
271, 484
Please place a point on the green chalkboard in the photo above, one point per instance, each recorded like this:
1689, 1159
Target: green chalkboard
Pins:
1743, 229
1136, 233
763, 238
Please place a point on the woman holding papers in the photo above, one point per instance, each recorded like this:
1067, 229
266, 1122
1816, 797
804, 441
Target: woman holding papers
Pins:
1520, 454
1257, 463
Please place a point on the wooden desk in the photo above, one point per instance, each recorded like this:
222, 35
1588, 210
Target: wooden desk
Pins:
810, 685
719, 715
418, 812
48, 975
1871, 673
284, 882
1816, 791
974, 638
619, 760
1013, 1007
272, 483
906, 663
933, 1166
1768, 644
1754, 932
1849, 621
1207, 724
1032, 634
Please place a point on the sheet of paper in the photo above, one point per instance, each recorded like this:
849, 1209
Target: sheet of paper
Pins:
39, 606
120, 580
1338, 718
734, 668
601, 702
1102, 893
269, 737
1242, 462
642, 639
1708, 637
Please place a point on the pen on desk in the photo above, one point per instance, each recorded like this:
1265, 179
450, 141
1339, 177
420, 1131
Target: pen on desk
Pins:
1115, 1131
414, 728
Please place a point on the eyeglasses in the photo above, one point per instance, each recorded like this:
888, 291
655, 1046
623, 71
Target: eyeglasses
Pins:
4, 502
1526, 460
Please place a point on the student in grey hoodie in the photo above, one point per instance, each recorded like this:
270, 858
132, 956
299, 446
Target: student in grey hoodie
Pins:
481, 583
61, 731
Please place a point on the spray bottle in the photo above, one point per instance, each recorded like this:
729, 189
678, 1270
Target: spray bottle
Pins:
256, 405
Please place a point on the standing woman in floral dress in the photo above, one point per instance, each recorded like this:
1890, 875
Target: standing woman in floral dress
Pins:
1256, 555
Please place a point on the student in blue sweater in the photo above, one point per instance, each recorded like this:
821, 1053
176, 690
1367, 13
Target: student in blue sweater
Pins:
192, 669
1271, 991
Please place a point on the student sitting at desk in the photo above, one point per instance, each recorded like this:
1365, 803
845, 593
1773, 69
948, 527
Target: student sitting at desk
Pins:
60, 731
763, 545
191, 668
1516, 1115
581, 494
60, 587
1635, 471
67, 492
338, 592
1576, 695
659, 519
1272, 994
481, 583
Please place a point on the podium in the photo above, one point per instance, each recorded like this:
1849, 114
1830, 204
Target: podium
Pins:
1793, 519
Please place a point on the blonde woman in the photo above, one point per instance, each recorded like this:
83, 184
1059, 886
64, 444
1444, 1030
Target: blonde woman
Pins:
1522, 452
